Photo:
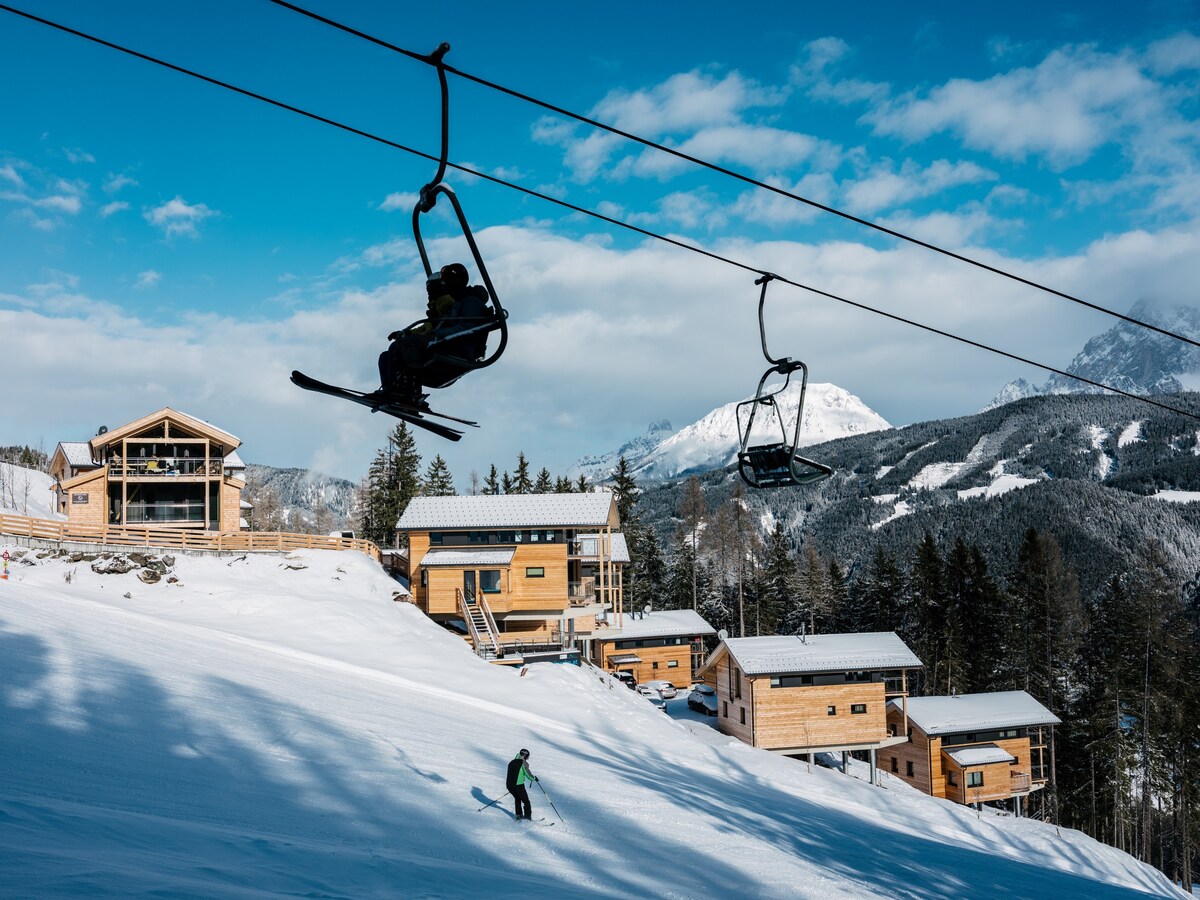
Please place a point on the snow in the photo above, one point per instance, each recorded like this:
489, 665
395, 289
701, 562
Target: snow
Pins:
1178, 496
1098, 436
982, 755
1196, 447
1002, 483
658, 623
935, 475
977, 712
467, 557
883, 470
830, 412
1131, 434
789, 654
27, 492
508, 511
903, 508
279, 726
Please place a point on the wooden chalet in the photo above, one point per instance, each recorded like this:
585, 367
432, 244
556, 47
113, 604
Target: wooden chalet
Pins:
523, 574
659, 645
818, 693
973, 748
167, 469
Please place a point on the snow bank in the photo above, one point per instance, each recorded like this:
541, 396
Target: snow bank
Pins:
27, 492
271, 725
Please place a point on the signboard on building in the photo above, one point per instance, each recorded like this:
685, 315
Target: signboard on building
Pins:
79, 498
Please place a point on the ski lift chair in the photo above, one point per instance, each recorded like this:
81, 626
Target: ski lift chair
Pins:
775, 464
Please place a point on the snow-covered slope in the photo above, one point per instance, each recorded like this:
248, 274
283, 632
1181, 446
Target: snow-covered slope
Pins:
273, 725
600, 468
829, 412
27, 492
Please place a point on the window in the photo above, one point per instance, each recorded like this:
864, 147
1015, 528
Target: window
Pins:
435, 537
1008, 733
895, 764
737, 683
908, 768
654, 664
425, 578
791, 680
489, 581
858, 709
974, 779
725, 708
831, 710
672, 664
952, 778
743, 715
535, 571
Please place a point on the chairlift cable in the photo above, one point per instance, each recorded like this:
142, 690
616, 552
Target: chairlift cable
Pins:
734, 174
591, 213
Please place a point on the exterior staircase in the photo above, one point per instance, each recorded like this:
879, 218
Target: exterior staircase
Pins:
480, 624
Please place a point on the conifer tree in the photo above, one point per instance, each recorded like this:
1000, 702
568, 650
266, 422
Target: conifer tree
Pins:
681, 580
776, 596
693, 510
581, 485
491, 484
625, 491
507, 486
929, 601
544, 483
562, 485
438, 481
650, 568
521, 482
881, 593
393, 480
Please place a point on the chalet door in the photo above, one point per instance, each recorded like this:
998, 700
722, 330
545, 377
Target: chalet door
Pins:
469, 586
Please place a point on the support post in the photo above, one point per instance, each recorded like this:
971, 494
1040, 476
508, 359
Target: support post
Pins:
874, 779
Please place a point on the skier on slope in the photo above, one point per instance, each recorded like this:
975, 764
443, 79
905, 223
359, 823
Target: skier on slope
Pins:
519, 776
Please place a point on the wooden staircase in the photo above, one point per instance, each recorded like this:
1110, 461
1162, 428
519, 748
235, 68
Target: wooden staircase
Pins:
480, 624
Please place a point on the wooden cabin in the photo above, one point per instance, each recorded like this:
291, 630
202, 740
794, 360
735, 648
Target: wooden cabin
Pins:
973, 748
664, 644
166, 470
517, 573
818, 693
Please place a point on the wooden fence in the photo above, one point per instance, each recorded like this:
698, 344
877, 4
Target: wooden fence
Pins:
179, 538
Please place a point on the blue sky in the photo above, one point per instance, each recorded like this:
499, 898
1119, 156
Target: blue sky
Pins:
170, 243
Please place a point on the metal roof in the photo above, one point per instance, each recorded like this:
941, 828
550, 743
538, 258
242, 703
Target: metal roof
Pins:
977, 712
233, 461
790, 655
624, 659
619, 549
77, 453
508, 511
981, 755
467, 558
659, 623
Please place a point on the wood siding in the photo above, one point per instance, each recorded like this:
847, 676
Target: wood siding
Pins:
655, 662
918, 752
94, 512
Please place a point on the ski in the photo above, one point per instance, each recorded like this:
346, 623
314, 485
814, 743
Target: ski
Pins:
376, 401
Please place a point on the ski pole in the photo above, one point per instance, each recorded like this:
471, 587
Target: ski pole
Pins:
551, 802
497, 800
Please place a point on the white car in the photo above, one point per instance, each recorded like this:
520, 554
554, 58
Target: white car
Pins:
665, 689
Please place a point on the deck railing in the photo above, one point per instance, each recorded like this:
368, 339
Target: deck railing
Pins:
1019, 783
164, 465
179, 538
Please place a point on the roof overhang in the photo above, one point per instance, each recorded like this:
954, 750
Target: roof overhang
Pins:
166, 414
453, 558
623, 659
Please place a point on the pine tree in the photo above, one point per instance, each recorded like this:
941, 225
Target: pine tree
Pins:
392, 481
778, 590
491, 484
521, 483
473, 489
507, 486
682, 578
881, 593
927, 581
693, 510
544, 483
650, 567
582, 486
438, 481
625, 490
562, 485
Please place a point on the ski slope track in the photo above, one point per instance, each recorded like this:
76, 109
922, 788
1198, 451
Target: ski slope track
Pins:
274, 725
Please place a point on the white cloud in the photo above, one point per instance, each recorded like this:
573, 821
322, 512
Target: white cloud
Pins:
885, 187
1070, 104
8, 172
760, 148
176, 217
114, 183
946, 229
69, 204
815, 73
687, 209
767, 208
1178, 53
109, 209
77, 156
398, 200
684, 102
147, 279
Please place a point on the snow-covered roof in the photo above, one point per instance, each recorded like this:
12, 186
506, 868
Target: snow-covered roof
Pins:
619, 549
977, 712
233, 461
658, 623
246, 504
779, 655
467, 558
981, 755
508, 511
77, 453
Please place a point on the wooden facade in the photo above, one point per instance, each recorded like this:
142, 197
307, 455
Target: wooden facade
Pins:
978, 756
511, 567
165, 470
795, 703
661, 645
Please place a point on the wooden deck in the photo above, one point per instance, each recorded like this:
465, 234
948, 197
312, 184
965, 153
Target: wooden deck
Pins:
178, 538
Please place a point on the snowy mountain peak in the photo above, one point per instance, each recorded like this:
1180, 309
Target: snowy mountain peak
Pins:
830, 412
600, 468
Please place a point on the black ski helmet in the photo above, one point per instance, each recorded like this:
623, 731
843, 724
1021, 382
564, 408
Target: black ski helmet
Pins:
524, 754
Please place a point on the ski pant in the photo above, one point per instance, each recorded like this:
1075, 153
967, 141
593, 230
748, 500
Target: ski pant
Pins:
521, 798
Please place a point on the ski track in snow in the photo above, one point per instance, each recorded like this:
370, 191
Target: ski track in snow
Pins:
258, 731
1131, 434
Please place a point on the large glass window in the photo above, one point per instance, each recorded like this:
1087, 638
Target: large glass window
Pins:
489, 581
974, 779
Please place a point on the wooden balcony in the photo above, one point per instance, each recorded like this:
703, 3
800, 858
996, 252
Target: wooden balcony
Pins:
182, 467
1019, 783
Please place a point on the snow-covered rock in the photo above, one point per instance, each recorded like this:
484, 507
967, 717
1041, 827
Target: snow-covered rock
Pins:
600, 468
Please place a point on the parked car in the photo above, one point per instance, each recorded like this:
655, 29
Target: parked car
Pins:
627, 679
665, 689
703, 698
656, 701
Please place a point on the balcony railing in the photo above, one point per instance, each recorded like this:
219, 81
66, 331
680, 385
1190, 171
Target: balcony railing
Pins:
182, 511
582, 593
1019, 783
164, 465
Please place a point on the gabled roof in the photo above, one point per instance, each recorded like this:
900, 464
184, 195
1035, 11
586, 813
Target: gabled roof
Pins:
977, 712
467, 558
77, 454
233, 461
793, 655
594, 510
191, 422
658, 623
979, 755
